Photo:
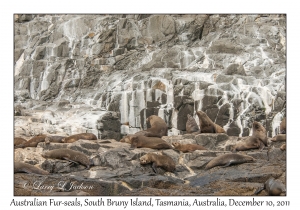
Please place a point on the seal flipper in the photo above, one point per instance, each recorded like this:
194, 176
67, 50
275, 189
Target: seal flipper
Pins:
228, 164
159, 146
69, 163
259, 190
154, 167
70, 160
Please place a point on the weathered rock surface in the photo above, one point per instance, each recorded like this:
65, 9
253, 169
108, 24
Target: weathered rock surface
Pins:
82, 66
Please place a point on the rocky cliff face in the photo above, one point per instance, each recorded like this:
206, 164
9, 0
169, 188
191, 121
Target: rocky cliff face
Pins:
71, 70
105, 74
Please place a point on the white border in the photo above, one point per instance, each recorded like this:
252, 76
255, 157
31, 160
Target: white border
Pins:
8, 8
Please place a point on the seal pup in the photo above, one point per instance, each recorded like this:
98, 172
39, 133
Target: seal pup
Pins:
282, 126
207, 125
272, 187
229, 159
187, 147
162, 161
68, 154
54, 139
279, 137
148, 142
19, 140
28, 168
33, 142
191, 125
76, 137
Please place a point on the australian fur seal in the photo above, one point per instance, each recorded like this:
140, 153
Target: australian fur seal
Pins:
54, 139
259, 132
207, 125
250, 143
162, 161
33, 142
158, 129
127, 139
28, 168
68, 154
229, 159
282, 126
279, 137
272, 187
191, 125
187, 147
149, 142
18, 140
258, 139
76, 137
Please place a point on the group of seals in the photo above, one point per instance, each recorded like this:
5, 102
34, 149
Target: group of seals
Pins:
151, 138
67, 154
33, 142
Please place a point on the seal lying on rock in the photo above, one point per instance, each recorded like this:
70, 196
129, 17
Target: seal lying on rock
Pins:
28, 168
283, 126
250, 143
68, 154
187, 147
229, 159
272, 187
158, 129
162, 161
279, 137
76, 137
54, 139
207, 125
149, 142
33, 142
258, 139
18, 140
191, 125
